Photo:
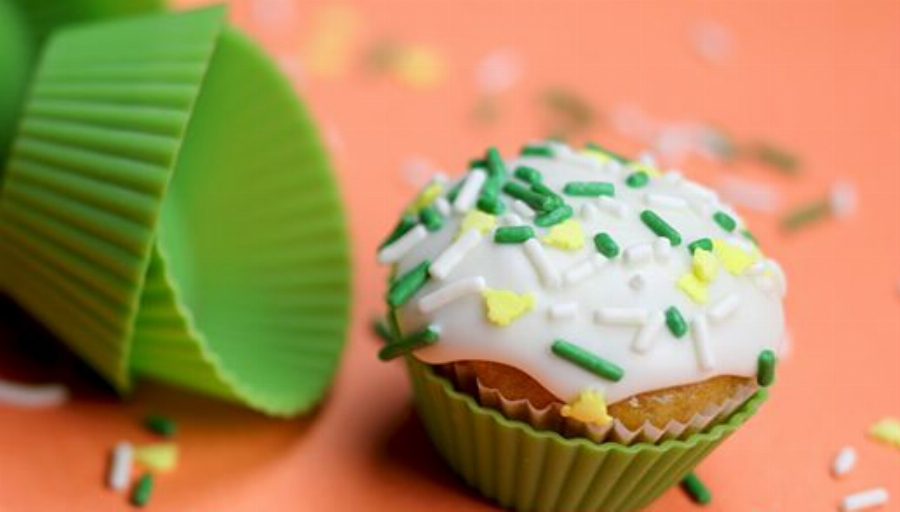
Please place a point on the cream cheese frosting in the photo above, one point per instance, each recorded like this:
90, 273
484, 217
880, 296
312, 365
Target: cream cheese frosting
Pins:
648, 273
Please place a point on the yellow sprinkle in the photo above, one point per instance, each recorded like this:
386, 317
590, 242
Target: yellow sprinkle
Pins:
426, 197
589, 407
479, 220
158, 457
735, 259
653, 172
329, 50
705, 266
599, 156
419, 67
694, 288
887, 431
566, 235
504, 306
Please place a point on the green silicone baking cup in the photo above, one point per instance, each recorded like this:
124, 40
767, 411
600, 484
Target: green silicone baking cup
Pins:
169, 211
527, 469
25, 25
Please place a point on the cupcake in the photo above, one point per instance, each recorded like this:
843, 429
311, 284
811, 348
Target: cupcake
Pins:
581, 330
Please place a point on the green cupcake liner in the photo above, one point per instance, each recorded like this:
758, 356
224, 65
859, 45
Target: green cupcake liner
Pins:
25, 25
526, 469
170, 212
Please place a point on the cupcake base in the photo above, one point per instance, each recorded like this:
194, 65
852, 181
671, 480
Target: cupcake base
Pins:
526, 469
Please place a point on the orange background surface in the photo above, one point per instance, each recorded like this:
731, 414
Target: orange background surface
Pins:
819, 77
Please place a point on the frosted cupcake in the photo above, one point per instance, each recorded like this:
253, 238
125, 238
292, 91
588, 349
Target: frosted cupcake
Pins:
579, 303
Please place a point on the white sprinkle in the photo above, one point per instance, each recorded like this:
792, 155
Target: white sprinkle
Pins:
699, 191
498, 71
442, 205
844, 461
549, 275
468, 193
563, 311
453, 291
757, 196
711, 41
765, 282
647, 336
665, 201
646, 159
756, 269
120, 466
662, 249
522, 208
589, 212
637, 282
635, 317
842, 199
585, 269
417, 172
511, 219
638, 254
452, 255
29, 396
700, 333
673, 177
611, 206
702, 208
613, 166
403, 245
863, 500
724, 308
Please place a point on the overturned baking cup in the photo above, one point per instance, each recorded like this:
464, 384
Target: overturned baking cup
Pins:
25, 25
169, 212
526, 469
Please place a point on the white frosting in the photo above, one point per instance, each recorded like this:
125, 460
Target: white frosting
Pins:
591, 301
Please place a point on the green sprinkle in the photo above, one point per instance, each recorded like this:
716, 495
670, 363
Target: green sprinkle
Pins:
701, 243
615, 156
725, 221
536, 201
637, 179
478, 163
451, 196
382, 330
696, 490
555, 200
660, 227
765, 368
490, 203
495, 163
431, 218
513, 234
142, 490
538, 151
554, 217
806, 214
408, 284
749, 236
409, 344
406, 223
590, 362
676, 322
606, 245
776, 157
528, 174
589, 188
161, 425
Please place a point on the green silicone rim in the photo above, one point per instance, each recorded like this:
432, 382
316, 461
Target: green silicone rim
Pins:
512, 462
170, 211
25, 25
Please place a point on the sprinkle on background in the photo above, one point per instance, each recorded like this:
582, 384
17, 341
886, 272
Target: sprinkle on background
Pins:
864, 500
711, 41
120, 462
844, 461
161, 425
157, 457
31, 396
567, 113
695, 489
142, 491
886, 431
329, 49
